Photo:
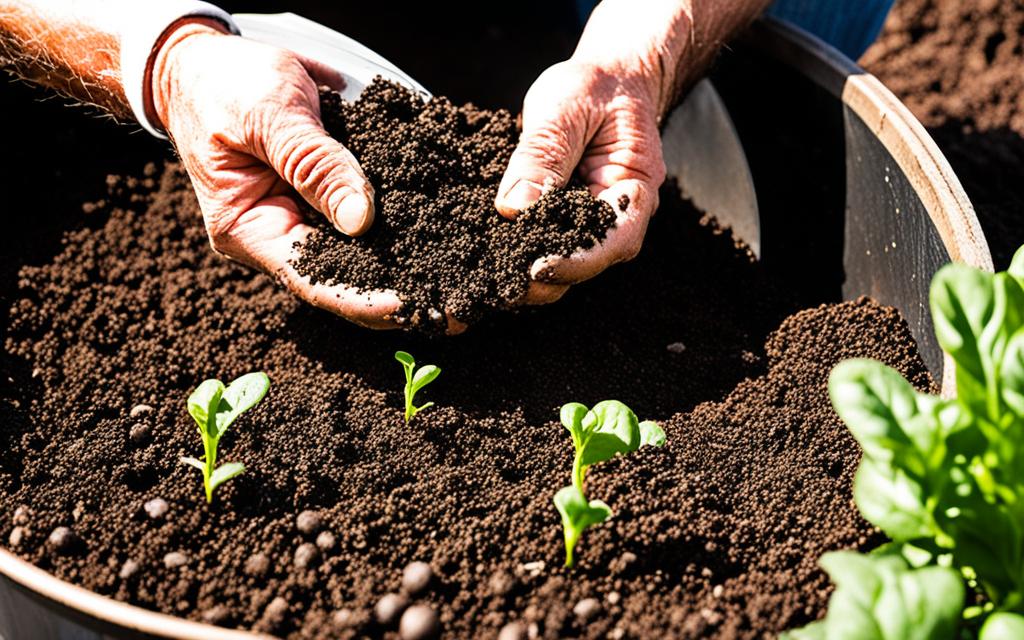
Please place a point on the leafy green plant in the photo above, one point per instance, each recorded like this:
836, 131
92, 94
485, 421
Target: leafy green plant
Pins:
214, 408
415, 379
944, 478
598, 434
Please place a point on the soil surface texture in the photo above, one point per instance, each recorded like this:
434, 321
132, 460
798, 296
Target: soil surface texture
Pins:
717, 534
957, 65
437, 239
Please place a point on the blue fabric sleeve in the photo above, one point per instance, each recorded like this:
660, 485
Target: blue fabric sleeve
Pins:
848, 25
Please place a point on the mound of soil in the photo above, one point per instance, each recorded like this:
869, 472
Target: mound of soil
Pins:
437, 239
717, 534
957, 65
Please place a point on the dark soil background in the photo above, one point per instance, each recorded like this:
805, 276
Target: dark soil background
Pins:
717, 534
959, 66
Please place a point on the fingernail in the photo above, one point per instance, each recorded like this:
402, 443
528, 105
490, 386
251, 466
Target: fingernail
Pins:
522, 195
353, 214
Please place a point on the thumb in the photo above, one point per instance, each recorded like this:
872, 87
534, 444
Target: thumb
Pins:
549, 149
322, 171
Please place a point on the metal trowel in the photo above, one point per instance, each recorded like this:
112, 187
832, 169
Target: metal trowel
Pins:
702, 150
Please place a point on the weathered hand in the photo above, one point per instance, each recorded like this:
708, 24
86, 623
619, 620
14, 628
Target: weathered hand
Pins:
602, 121
245, 119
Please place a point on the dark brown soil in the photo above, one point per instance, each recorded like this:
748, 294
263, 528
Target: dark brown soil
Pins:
957, 65
437, 239
716, 534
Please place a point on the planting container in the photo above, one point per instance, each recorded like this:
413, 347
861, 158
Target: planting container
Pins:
888, 212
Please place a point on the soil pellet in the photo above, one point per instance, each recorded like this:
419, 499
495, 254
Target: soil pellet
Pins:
308, 522
139, 433
416, 577
419, 622
326, 541
17, 536
513, 631
22, 515
344, 619
140, 409
389, 608
587, 609
63, 540
175, 559
257, 565
128, 569
275, 612
156, 508
306, 555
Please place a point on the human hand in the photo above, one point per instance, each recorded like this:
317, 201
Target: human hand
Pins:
245, 119
600, 119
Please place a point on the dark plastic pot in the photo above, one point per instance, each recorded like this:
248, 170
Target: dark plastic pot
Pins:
888, 213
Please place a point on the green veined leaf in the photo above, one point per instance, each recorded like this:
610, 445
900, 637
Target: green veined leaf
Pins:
1003, 626
225, 472
572, 415
651, 434
424, 376
194, 463
616, 430
240, 396
577, 514
892, 501
881, 597
1011, 373
203, 403
962, 302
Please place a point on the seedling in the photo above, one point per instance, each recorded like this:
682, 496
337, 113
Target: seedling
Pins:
214, 408
598, 434
415, 379
942, 478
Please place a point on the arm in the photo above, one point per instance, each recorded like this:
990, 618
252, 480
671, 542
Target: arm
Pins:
598, 113
243, 116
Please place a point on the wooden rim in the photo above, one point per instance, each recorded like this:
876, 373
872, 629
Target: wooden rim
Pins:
901, 134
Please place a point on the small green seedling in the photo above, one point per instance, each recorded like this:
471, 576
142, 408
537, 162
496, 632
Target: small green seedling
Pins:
415, 379
598, 434
214, 408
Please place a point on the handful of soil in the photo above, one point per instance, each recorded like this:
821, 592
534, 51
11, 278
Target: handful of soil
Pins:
437, 239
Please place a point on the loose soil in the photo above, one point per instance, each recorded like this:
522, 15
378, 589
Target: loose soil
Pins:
437, 239
716, 534
957, 65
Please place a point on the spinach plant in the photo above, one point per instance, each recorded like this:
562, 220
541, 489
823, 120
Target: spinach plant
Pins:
214, 408
598, 434
943, 478
415, 379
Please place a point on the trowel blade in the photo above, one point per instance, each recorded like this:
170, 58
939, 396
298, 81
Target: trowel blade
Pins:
357, 63
704, 154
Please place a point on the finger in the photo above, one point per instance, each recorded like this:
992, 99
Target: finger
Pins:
550, 147
634, 202
321, 170
540, 293
265, 237
323, 74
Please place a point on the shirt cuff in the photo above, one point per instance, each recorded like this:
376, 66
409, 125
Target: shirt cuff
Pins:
138, 40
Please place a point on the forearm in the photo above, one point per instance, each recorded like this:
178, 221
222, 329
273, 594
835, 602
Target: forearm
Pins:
71, 46
673, 41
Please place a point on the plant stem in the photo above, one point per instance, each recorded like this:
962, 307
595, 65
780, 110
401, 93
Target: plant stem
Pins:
210, 451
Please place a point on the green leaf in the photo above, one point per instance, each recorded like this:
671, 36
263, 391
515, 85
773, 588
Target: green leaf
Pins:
892, 501
424, 376
408, 363
813, 631
240, 396
1003, 626
879, 597
225, 472
572, 415
203, 403
615, 431
1011, 373
198, 464
651, 434
577, 514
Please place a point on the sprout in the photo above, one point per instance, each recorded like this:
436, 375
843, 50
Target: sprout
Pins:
415, 379
214, 408
598, 434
